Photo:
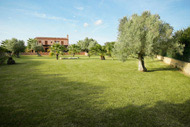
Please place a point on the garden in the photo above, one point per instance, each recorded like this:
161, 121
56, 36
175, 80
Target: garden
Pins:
43, 91
120, 83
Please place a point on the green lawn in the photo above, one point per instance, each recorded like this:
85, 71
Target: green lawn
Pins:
43, 91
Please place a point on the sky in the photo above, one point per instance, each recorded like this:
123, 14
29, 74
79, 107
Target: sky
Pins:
97, 19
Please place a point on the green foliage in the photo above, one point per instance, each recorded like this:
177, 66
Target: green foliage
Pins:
33, 45
38, 48
87, 44
182, 37
3, 55
57, 49
144, 35
14, 46
73, 49
51, 53
99, 50
109, 48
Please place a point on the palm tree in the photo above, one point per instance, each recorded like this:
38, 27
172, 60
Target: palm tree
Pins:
110, 48
57, 49
99, 50
73, 49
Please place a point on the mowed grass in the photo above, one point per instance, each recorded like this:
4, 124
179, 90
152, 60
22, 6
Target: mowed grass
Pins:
88, 92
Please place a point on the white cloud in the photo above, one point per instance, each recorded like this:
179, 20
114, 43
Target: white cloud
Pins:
85, 24
80, 8
98, 22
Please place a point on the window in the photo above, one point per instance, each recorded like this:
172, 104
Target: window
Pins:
56, 41
62, 43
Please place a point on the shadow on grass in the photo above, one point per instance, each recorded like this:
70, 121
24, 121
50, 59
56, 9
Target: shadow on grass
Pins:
163, 69
162, 114
53, 100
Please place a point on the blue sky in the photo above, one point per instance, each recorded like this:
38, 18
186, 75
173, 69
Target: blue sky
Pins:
98, 19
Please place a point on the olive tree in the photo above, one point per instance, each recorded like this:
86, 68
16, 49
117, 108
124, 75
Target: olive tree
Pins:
33, 45
14, 45
86, 44
144, 35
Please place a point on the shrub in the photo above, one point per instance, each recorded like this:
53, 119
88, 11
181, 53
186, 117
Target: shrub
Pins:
3, 55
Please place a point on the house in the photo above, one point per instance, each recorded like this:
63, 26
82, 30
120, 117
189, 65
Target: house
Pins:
46, 42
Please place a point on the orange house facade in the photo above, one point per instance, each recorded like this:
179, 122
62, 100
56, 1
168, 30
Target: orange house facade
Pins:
46, 42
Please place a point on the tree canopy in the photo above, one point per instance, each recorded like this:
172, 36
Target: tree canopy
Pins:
110, 48
3, 55
86, 44
99, 50
14, 45
183, 37
57, 49
33, 45
144, 35
73, 49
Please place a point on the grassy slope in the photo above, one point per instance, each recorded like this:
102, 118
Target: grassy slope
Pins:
41, 91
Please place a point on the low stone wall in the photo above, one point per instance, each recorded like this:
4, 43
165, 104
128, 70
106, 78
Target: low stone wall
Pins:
34, 53
47, 53
184, 66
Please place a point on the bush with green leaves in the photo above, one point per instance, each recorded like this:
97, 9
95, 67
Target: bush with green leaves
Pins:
3, 55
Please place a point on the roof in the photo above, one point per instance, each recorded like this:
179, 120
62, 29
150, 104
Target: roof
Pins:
51, 38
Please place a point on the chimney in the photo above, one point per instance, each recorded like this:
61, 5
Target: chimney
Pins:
68, 39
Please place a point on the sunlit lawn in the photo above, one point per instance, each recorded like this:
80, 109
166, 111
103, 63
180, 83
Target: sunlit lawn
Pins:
88, 92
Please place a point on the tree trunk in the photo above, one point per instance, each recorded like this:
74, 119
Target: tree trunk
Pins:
88, 54
12, 53
141, 64
57, 56
102, 57
17, 55
38, 53
73, 54
10, 61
